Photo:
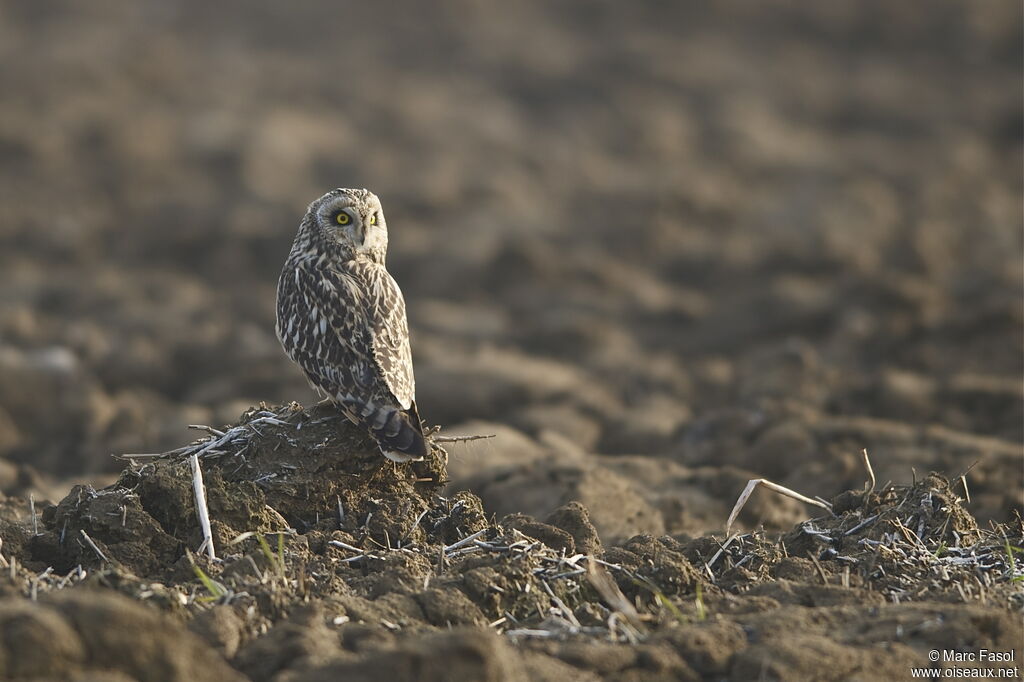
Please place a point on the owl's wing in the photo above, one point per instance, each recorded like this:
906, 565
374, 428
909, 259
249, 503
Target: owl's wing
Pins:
346, 329
389, 331
322, 325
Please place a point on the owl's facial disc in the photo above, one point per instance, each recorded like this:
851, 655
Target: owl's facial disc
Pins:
354, 219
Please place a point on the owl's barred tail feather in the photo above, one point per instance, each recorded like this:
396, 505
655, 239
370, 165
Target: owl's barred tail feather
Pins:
398, 433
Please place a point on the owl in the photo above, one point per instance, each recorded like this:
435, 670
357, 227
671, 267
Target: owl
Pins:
341, 319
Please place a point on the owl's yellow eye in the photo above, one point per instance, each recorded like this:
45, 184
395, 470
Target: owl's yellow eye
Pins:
373, 219
342, 218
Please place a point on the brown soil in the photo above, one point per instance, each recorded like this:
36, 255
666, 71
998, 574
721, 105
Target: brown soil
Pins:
656, 250
333, 563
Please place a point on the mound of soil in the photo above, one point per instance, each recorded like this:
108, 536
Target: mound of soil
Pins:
333, 563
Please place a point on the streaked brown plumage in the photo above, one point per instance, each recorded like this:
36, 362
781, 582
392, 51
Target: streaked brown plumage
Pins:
341, 318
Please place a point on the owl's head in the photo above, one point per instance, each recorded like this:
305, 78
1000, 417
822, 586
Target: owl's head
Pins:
351, 219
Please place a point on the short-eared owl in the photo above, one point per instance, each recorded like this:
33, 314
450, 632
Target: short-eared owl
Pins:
341, 318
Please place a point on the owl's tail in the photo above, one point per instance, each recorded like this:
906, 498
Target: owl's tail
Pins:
398, 433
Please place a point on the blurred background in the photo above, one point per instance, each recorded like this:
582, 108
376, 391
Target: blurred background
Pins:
659, 248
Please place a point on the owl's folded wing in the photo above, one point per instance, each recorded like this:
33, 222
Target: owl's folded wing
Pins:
383, 343
346, 329
321, 322
389, 331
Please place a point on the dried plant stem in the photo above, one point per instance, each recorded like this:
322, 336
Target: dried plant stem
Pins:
32, 507
460, 439
967, 493
602, 581
871, 472
94, 546
464, 541
782, 490
721, 549
209, 429
201, 509
345, 545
